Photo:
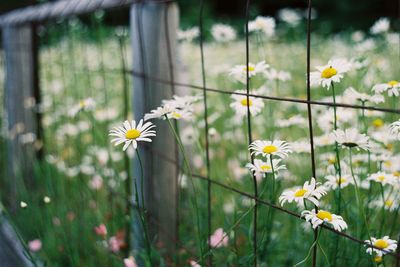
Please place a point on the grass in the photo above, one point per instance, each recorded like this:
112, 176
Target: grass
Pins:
77, 67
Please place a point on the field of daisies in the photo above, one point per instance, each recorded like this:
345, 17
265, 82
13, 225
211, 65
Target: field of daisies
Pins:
346, 213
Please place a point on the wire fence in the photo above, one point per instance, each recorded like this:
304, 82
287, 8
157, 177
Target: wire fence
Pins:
100, 77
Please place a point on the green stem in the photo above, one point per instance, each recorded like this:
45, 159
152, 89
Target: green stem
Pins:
338, 171
189, 169
382, 210
270, 216
228, 231
357, 191
141, 210
309, 252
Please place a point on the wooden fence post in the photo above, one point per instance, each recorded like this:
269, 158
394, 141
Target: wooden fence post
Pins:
21, 94
154, 40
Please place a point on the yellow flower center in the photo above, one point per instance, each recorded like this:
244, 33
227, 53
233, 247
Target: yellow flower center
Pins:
251, 68
245, 103
332, 161
270, 149
381, 178
388, 163
300, 192
132, 134
389, 146
378, 123
378, 259
265, 167
393, 83
341, 180
328, 73
82, 104
324, 215
396, 173
380, 243
389, 203
176, 115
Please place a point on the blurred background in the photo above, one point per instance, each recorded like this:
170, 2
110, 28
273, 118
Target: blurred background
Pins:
342, 15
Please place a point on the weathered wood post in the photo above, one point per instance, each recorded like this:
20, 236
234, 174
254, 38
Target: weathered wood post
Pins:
21, 94
12, 251
153, 31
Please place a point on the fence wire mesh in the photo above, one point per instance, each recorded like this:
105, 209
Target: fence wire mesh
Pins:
66, 61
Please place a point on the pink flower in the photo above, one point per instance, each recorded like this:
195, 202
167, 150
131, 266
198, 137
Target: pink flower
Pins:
113, 244
101, 230
130, 262
96, 182
117, 242
219, 239
35, 245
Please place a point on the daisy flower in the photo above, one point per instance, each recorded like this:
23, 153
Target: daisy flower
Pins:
383, 178
294, 120
382, 246
310, 191
290, 16
380, 26
83, 105
332, 181
353, 93
390, 203
326, 119
239, 72
263, 24
170, 111
240, 103
395, 129
189, 34
179, 108
278, 75
182, 101
260, 168
392, 87
318, 218
223, 33
331, 73
351, 138
269, 148
130, 133
301, 146
323, 140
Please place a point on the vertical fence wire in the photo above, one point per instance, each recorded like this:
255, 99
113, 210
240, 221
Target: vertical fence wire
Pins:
204, 90
171, 65
398, 25
310, 124
125, 94
249, 133
206, 126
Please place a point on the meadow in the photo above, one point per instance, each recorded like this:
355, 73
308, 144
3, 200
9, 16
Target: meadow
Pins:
76, 212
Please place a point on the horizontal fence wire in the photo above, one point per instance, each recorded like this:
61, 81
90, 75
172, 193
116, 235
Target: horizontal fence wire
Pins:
163, 156
63, 9
274, 98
